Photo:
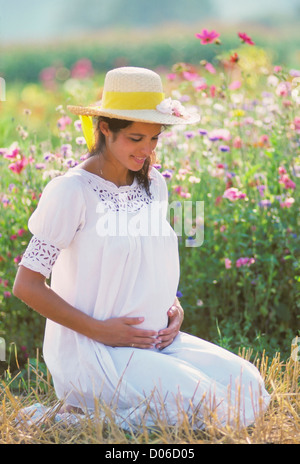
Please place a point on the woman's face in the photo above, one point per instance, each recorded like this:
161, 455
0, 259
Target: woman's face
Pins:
130, 147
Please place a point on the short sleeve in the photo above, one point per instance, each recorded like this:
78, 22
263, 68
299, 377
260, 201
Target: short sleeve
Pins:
60, 214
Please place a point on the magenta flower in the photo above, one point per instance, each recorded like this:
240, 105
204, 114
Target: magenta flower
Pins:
287, 182
12, 154
296, 123
171, 77
207, 37
189, 76
245, 38
227, 263
244, 262
210, 68
63, 122
287, 203
235, 85
233, 194
82, 69
281, 170
19, 165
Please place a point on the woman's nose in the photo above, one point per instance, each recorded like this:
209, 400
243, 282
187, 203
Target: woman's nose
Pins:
147, 149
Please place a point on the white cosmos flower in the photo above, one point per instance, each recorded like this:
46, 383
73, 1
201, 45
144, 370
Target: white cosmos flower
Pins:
173, 107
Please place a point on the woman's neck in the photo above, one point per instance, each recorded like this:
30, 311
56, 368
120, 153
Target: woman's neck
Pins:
105, 168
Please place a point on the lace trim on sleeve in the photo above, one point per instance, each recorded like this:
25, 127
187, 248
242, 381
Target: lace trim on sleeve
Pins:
40, 256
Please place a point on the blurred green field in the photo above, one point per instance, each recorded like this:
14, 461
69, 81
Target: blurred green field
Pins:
154, 48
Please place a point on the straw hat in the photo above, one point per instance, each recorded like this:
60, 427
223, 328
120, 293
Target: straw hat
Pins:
136, 94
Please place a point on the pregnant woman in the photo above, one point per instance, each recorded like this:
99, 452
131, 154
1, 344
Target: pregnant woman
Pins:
113, 320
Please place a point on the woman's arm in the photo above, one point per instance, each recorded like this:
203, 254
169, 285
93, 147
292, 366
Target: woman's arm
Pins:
32, 289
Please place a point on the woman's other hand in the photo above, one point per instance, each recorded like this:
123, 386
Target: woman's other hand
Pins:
166, 336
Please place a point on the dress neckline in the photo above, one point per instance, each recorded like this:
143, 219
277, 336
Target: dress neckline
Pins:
108, 183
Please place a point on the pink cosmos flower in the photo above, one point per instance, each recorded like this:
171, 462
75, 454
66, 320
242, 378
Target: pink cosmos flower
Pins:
233, 194
190, 76
82, 69
63, 122
220, 134
244, 262
48, 74
296, 123
11, 154
287, 203
283, 89
245, 38
212, 90
237, 143
281, 170
287, 182
19, 165
171, 76
185, 195
218, 200
235, 85
207, 37
210, 68
227, 263
201, 86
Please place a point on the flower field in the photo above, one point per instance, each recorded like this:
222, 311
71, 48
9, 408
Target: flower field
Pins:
240, 286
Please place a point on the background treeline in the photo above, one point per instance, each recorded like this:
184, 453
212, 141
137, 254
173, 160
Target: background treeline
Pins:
25, 64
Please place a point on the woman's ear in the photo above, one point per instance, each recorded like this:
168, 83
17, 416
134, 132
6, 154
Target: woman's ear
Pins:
103, 126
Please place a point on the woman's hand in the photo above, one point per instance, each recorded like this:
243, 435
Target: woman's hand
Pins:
166, 336
121, 331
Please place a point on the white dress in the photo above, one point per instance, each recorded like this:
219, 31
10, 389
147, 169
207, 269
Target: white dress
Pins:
111, 252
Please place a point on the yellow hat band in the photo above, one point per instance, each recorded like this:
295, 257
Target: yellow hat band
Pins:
131, 100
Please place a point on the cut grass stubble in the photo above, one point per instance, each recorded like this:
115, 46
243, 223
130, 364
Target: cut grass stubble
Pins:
279, 425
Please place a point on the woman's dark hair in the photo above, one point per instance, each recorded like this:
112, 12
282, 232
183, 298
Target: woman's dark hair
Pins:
115, 125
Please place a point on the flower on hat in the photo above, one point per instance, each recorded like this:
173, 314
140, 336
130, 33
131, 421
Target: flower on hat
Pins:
173, 107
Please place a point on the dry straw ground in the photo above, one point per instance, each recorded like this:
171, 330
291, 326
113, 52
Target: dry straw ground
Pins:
279, 425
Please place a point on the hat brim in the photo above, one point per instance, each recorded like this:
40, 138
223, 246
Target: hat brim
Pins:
147, 116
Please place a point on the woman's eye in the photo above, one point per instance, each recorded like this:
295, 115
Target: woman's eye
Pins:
155, 139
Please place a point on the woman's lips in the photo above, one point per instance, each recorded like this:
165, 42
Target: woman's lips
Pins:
139, 159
